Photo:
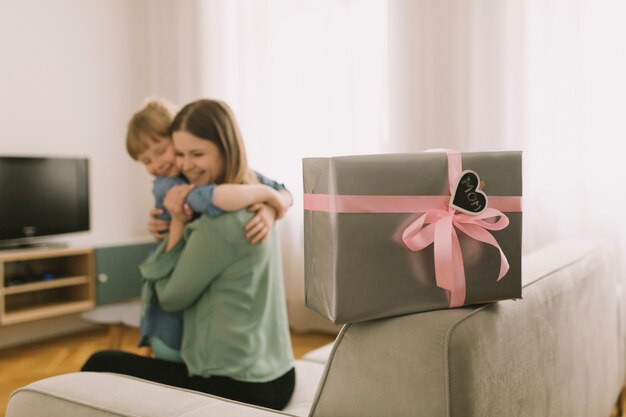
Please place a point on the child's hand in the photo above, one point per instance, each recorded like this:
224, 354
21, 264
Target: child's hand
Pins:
174, 202
259, 227
158, 228
278, 202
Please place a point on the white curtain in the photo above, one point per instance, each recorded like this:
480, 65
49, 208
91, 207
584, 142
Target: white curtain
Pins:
543, 76
455, 74
575, 120
329, 77
460, 79
305, 78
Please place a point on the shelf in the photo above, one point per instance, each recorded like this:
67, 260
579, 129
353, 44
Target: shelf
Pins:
44, 285
72, 292
31, 254
46, 311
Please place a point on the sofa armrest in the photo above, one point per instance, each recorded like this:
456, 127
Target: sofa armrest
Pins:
105, 394
557, 352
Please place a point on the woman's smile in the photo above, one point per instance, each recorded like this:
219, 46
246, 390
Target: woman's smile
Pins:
194, 176
198, 159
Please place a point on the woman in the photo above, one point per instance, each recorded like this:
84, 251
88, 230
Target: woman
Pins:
236, 340
148, 142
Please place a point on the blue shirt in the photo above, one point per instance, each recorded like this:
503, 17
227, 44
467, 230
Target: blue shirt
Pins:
200, 199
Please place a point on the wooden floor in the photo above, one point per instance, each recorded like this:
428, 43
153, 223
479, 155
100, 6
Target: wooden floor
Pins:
22, 365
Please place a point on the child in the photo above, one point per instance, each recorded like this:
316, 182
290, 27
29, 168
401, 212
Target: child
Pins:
148, 142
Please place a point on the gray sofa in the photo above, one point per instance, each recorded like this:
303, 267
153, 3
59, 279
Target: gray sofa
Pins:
559, 352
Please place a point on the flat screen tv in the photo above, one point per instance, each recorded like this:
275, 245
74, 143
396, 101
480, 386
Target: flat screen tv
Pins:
42, 197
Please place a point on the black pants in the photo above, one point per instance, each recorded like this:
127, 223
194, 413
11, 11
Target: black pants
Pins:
274, 394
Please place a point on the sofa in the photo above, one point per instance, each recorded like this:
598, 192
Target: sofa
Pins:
558, 352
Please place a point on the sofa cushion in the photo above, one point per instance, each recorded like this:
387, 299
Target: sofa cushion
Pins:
308, 375
106, 394
319, 355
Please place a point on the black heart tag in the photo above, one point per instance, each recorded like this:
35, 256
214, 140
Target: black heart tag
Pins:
467, 196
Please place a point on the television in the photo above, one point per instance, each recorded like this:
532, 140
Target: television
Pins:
42, 196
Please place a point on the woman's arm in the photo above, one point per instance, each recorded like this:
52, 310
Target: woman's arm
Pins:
181, 213
286, 198
183, 274
259, 227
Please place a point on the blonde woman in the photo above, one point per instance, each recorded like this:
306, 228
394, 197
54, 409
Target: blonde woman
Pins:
236, 340
148, 141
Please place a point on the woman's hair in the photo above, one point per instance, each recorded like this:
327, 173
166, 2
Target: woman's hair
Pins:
151, 123
214, 121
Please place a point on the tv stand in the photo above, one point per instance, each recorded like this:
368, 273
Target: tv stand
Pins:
42, 283
31, 245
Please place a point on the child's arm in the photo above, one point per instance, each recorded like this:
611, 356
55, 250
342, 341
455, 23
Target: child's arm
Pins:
259, 227
286, 198
269, 200
232, 197
159, 224
175, 204
213, 200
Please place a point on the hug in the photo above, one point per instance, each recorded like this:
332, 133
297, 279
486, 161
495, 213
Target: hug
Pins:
213, 303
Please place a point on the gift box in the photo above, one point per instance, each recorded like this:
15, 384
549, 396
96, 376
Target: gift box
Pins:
393, 234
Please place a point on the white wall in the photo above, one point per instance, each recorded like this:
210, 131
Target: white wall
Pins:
71, 74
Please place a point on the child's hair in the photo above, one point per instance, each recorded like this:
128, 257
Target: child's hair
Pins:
151, 123
214, 121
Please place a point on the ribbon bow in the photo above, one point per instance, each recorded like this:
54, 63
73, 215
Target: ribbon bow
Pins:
440, 229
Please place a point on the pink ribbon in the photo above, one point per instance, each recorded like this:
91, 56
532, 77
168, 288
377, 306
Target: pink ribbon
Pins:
441, 230
331, 203
437, 225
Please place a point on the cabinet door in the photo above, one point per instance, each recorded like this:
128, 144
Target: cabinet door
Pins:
117, 271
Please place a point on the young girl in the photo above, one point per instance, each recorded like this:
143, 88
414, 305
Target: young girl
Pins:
148, 141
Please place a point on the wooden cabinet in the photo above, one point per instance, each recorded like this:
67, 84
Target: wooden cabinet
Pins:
39, 284
117, 271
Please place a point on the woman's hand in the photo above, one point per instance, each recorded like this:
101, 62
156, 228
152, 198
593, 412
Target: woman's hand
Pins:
259, 227
174, 202
158, 228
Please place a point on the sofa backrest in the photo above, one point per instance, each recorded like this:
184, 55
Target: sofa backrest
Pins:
557, 352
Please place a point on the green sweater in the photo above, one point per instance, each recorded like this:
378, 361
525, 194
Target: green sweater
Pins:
231, 291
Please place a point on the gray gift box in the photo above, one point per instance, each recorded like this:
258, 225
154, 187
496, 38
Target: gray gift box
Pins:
357, 266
